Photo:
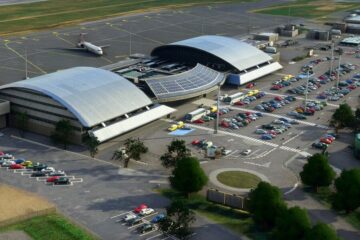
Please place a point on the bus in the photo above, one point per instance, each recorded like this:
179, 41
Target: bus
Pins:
234, 98
195, 115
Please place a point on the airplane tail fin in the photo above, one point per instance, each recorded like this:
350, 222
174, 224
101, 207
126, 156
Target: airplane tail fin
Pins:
82, 37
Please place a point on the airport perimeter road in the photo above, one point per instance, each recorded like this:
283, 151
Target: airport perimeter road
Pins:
105, 191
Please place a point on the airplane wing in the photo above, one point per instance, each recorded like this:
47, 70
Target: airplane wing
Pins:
104, 46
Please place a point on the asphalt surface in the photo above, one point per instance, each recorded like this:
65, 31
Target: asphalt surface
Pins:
107, 192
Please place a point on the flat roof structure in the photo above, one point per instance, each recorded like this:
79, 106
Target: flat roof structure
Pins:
351, 41
353, 18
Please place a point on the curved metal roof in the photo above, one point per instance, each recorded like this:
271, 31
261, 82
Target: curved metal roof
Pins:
93, 95
235, 52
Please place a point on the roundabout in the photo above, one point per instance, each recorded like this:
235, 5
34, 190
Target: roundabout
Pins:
237, 180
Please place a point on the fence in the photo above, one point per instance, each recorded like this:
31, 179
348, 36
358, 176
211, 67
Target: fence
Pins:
227, 199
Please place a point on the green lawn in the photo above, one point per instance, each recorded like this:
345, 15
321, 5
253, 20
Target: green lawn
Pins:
236, 220
308, 8
238, 179
53, 13
51, 226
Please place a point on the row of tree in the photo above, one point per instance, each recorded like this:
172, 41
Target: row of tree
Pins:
317, 172
270, 212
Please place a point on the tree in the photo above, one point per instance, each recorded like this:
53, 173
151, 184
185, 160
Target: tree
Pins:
92, 144
343, 117
317, 172
63, 132
175, 151
347, 196
292, 224
321, 231
266, 204
187, 176
22, 120
133, 149
178, 220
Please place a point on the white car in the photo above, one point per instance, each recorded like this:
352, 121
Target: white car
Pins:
146, 211
129, 217
246, 152
48, 170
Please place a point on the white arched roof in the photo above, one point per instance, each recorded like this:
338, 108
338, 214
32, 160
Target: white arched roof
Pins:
235, 52
93, 95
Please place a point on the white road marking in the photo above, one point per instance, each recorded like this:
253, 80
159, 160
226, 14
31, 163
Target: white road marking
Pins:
290, 139
202, 162
292, 189
266, 165
120, 214
159, 181
146, 233
154, 236
232, 153
253, 153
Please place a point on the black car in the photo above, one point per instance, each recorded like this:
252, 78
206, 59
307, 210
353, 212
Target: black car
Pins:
319, 145
135, 221
268, 127
146, 228
39, 167
38, 174
62, 181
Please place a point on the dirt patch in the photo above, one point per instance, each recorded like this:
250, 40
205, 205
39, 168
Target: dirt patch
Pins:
14, 235
16, 204
331, 7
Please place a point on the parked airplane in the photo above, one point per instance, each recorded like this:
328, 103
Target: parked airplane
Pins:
98, 50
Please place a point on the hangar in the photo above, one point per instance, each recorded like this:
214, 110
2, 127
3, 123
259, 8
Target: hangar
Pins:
242, 62
93, 100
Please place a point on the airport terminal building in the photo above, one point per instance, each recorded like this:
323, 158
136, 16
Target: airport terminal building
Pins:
93, 100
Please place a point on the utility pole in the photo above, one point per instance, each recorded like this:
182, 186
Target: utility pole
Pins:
332, 57
338, 73
306, 90
216, 127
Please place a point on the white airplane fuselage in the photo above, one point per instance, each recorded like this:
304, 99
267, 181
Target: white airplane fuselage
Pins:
91, 48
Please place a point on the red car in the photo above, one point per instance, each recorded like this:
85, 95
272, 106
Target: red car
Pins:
277, 98
275, 87
195, 142
325, 140
139, 208
240, 103
250, 85
199, 121
225, 124
52, 179
16, 166
351, 87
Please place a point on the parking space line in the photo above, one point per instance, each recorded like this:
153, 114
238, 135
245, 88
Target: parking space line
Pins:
154, 236
292, 138
231, 153
120, 214
149, 232
254, 152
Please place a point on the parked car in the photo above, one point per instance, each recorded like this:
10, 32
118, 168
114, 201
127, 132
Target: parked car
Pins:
146, 211
246, 152
140, 207
266, 137
260, 131
38, 174
129, 217
48, 170
19, 161
158, 218
319, 145
62, 181
58, 173
147, 227
135, 221
267, 126
16, 166
52, 179
39, 166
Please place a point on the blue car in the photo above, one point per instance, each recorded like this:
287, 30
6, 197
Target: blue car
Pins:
266, 137
19, 161
284, 120
158, 218
259, 114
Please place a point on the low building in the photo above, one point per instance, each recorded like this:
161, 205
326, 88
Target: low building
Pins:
93, 100
351, 41
267, 36
353, 28
353, 18
322, 35
288, 30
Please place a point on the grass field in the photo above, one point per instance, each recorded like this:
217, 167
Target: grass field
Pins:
15, 203
309, 8
55, 13
51, 226
238, 179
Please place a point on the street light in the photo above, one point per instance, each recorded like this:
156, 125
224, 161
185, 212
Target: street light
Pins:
216, 127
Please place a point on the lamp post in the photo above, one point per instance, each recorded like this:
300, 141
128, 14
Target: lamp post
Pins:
216, 127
